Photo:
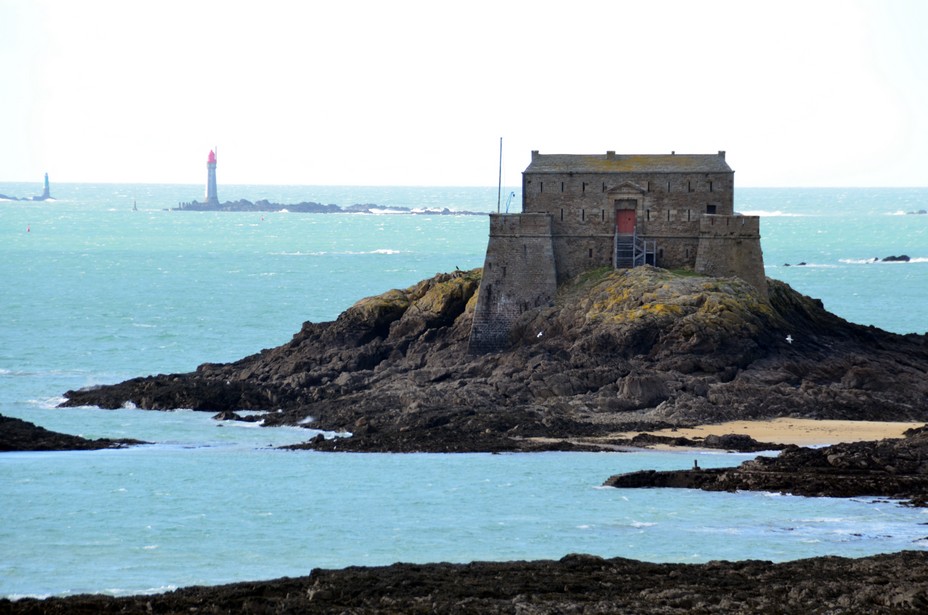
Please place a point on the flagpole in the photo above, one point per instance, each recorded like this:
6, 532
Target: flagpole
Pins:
499, 190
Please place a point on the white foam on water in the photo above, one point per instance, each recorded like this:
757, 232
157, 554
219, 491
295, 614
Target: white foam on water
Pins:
772, 214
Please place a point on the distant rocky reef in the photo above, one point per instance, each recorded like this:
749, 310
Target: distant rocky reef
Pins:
310, 207
902, 258
28, 199
6, 197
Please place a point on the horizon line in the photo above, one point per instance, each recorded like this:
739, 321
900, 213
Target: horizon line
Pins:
493, 186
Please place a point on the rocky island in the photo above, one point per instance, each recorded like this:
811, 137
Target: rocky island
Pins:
45, 196
568, 337
618, 351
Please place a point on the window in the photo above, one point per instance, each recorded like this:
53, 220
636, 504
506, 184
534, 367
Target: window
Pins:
591, 252
602, 214
562, 186
583, 215
541, 186
562, 214
710, 209
583, 187
710, 186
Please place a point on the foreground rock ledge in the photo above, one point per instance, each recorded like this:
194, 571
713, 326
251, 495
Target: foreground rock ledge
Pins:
626, 350
896, 583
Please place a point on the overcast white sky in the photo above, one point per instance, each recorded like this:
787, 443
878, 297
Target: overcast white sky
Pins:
799, 93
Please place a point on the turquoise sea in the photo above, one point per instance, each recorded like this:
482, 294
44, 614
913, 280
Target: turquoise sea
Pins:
93, 291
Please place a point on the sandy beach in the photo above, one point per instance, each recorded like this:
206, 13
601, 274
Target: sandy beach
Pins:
801, 432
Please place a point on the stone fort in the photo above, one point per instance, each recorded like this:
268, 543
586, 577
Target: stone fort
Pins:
581, 212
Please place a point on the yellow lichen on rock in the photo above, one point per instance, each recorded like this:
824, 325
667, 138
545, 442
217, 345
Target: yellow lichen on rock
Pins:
447, 291
432, 302
650, 308
379, 308
641, 292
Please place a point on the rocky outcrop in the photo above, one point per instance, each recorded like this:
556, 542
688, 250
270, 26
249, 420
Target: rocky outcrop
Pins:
896, 583
741, 443
311, 207
19, 435
892, 468
620, 350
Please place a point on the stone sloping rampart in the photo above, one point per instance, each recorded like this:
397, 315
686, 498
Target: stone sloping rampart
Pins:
730, 246
519, 275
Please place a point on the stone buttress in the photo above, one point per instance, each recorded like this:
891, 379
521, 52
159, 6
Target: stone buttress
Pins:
518, 275
730, 246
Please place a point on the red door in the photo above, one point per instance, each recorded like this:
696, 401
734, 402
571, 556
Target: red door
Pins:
625, 221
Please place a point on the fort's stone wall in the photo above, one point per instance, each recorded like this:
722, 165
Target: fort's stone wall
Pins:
668, 207
550, 192
575, 254
730, 246
518, 275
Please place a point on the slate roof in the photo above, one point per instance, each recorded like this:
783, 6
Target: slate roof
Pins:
628, 163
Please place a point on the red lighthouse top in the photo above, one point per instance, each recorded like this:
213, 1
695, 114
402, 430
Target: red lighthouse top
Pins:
212, 157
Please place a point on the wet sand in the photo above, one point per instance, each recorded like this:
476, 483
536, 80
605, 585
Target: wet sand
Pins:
801, 432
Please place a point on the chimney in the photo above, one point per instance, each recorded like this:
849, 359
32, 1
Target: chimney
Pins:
534, 154
722, 154
610, 154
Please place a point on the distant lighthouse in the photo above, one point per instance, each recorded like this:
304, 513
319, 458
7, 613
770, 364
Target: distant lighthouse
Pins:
211, 197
